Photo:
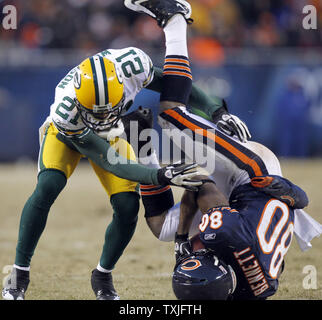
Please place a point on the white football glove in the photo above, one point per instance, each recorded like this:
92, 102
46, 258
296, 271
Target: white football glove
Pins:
232, 125
180, 175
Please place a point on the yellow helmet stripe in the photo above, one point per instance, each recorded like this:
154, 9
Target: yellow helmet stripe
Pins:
104, 79
95, 80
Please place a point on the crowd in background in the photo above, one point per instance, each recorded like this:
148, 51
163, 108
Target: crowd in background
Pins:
93, 25
96, 24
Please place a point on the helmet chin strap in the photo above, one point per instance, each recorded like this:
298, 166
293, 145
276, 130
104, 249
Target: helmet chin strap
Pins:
112, 133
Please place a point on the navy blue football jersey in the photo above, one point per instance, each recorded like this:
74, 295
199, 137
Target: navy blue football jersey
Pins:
253, 236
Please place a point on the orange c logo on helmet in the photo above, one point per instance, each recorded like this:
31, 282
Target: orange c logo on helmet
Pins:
195, 264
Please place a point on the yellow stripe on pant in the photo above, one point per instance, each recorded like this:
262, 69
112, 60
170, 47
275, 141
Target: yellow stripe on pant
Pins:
55, 154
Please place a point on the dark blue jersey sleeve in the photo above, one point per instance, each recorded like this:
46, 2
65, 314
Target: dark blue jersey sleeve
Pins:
223, 227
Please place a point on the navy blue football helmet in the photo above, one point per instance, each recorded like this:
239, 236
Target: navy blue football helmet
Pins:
202, 276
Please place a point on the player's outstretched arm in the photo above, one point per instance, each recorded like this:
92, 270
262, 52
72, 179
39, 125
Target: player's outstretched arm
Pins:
103, 154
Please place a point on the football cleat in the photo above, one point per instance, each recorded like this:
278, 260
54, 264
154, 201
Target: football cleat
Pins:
161, 10
102, 285
134, 123
16, 285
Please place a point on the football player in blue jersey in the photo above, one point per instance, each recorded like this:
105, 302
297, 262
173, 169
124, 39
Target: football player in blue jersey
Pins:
251, 233
249, 223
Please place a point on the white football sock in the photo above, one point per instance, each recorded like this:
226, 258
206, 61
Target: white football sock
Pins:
101, 269
176, 36
21, 268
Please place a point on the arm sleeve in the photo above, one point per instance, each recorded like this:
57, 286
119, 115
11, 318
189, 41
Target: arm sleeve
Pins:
199, 102
105, 156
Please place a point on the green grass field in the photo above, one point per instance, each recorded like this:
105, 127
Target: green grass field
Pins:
71, 244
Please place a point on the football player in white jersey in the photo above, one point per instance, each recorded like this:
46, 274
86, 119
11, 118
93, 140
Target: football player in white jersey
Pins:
85, 121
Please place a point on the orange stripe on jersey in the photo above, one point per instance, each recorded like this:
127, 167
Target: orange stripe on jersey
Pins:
173, 66
177, 60
223, 143
149, 193
148, 186
177, 73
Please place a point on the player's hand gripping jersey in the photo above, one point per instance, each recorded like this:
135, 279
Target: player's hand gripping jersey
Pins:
134, 70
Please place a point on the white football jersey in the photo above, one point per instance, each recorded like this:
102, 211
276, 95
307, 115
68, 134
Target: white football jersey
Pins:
231, 162
136, 70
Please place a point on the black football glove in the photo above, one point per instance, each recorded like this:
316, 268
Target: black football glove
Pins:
180, 175
182, 247
230, 124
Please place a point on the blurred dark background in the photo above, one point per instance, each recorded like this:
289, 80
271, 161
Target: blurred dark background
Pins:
255, 54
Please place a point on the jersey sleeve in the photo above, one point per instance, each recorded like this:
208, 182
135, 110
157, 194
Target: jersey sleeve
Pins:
135, 66
148, 69
139, 65
64, 113
108, 158
66, 118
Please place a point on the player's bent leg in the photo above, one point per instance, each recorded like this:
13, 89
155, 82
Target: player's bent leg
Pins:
32, 224
155, 223
170, 223
120, 231
118, 235
56, 163
55, 154
157, 200
35, 212
124, 199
